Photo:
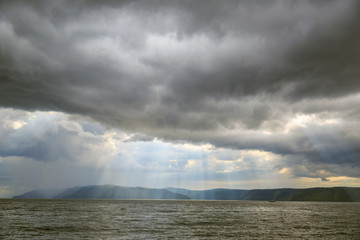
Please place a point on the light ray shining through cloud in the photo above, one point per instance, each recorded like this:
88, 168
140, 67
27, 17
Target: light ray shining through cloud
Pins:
198, 94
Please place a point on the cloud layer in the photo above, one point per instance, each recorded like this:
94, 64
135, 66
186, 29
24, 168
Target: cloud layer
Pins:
276, 76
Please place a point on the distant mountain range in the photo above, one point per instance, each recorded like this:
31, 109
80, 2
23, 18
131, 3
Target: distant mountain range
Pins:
335, 194
104, 191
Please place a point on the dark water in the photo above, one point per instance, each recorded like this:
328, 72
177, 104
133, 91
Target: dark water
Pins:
161, 219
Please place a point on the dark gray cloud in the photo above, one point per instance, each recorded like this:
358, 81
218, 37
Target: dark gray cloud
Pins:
232, 73
92, 128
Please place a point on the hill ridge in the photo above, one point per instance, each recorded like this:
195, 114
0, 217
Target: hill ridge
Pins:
108, 191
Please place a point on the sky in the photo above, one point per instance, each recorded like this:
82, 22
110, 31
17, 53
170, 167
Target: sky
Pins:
197, 94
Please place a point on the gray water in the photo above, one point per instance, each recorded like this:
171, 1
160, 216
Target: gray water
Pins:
166, 219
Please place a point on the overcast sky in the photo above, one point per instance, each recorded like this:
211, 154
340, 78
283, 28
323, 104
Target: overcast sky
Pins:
195, 94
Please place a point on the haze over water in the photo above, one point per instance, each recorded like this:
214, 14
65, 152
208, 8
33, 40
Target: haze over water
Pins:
173, 219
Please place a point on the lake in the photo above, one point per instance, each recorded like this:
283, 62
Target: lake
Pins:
173, 219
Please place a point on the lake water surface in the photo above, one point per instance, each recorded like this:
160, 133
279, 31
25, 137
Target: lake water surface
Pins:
167, 219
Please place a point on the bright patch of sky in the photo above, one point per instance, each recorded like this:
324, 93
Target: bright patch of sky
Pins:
87, 153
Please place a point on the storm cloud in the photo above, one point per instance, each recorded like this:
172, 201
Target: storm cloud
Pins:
275, 76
